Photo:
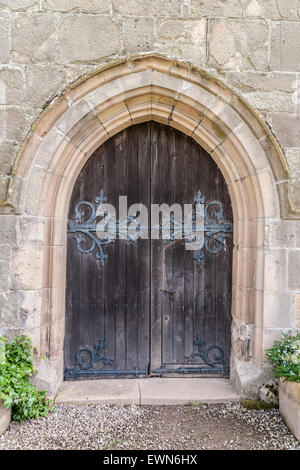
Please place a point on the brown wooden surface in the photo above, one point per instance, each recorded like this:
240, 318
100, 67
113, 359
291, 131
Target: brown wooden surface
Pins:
126, 301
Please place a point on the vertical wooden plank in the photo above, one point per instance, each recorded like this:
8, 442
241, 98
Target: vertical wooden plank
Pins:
210, 261
131, 250
179, 251
166, 148
143, 247
110, 262
198, 165
190, 188
156, 253
121, 143
98, 287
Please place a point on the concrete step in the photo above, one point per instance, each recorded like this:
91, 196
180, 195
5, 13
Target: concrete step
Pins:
150, 391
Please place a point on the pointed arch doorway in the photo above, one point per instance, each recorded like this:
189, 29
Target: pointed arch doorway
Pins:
148, 307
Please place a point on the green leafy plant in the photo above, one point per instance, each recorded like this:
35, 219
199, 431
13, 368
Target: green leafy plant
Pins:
285, 357
16, 390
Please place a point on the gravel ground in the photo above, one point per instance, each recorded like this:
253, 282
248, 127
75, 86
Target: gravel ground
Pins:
111, 427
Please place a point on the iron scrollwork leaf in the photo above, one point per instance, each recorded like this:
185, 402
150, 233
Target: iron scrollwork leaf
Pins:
211, 355
93, 357
85, 232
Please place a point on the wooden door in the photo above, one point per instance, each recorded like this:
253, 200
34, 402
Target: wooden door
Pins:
148, 307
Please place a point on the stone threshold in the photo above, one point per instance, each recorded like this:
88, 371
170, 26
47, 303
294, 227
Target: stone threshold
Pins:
149, 391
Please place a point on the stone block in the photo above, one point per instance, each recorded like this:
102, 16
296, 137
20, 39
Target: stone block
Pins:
269, 392
20, 5
297, 311
271, 101
56, 341
230, 8
9, 309
57, 305
188, 52
286, 127
5, 252
153, 8
27, 267
252, 146
270, 335
277, 310
293, 160
47, 148
33, 38
138, 34
285, 46
30, 308
4, 275
242, 336
275, 270
238, 45
42, 82
174, 391
289, 405
281, 234
268, 9
294, 270
294, 194
289, 10
8, 234
181, 30
30, 230
250, 81
50, 376
16, 123
4, 182
297, 230
86, 6
88, 38
183, 39
5, 417
4, 37
2, 123
36, 181
70, 118
13, 79
2, 93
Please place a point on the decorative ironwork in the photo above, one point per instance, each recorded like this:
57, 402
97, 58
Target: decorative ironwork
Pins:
87, 240
94, 357
211, 355
214, 229
79, 373
85, 365
85, 231
218, 370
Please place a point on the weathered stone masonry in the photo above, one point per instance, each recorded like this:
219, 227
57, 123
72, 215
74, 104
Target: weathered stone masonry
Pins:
55, 54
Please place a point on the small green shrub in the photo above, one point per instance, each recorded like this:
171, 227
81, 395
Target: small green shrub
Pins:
16, 390
285, 357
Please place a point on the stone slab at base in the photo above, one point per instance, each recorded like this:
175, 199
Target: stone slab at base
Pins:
150, 391
5, 417
289, 405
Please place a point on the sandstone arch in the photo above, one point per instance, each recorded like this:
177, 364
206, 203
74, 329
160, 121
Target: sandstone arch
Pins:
73, 126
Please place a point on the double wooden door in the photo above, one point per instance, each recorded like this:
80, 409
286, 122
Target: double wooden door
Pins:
144, 307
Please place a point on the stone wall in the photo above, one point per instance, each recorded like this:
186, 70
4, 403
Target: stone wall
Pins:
251, 45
